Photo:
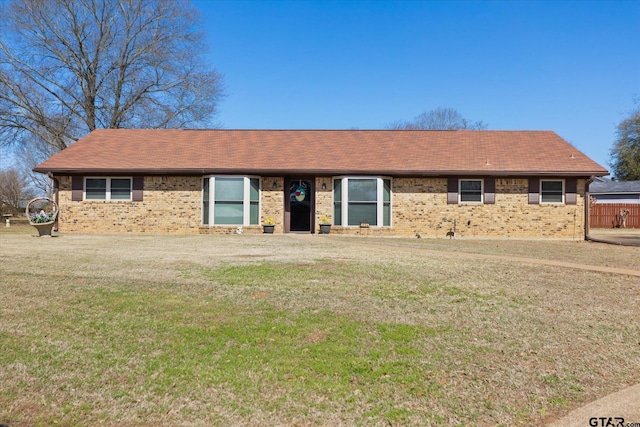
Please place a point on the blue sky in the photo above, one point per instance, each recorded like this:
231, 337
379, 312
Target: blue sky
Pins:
568, 66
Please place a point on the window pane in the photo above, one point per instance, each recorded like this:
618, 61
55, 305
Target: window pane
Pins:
205, 213
363, 190
254, 214
96, 188
386, 214
362, 212
120, 189
229, 189
255, 189
470, 197
554, 186
475, 186
386, 192
227, 213
337, 213
337, 202
205, 201
552, 198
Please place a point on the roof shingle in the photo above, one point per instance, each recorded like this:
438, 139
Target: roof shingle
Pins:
264, 152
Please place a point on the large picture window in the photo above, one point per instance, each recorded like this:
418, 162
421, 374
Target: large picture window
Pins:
230, 200
107, 188
362, 200
551, 191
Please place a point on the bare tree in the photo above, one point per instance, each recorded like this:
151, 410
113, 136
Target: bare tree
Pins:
14, 191
31, 154
441, 118
68, 67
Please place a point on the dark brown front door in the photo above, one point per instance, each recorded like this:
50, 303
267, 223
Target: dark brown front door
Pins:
299, 205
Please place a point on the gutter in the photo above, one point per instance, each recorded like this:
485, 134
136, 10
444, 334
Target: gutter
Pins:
313, 171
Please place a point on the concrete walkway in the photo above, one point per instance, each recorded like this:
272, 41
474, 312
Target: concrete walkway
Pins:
616, 236
623, 404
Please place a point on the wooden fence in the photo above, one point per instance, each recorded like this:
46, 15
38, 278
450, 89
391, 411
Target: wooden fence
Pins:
608, 215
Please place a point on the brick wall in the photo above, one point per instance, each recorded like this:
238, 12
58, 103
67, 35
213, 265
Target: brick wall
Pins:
419, 206
324, 199
172, 205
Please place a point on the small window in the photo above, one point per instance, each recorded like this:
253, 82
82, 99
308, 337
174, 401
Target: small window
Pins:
470, 191
107, 188
120, 189
551, 191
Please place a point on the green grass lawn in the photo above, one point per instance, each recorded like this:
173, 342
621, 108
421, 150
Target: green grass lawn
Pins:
301, 330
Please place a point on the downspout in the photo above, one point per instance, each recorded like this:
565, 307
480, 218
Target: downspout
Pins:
56, 195
587, 208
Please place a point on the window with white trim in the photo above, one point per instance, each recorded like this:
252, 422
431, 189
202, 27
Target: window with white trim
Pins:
551, 191
358, 200
230, 200
107, 188
470, 190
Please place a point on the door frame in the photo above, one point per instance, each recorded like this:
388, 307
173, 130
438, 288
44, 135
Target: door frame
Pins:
287, 202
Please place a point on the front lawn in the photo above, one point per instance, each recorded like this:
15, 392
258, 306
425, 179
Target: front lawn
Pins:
308, 330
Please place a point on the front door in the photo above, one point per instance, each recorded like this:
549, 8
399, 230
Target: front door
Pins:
299, 205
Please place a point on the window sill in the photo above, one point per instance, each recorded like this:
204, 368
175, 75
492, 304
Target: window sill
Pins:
357, 227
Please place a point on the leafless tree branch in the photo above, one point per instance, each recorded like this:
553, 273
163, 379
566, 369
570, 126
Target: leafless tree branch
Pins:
68, 67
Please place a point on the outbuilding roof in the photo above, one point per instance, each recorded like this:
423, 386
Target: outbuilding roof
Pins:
317, 152
615, 187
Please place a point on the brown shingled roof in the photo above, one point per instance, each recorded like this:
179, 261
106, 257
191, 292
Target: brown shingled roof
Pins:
267, 152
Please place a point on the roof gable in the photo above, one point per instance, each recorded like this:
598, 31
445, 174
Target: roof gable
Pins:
263, 152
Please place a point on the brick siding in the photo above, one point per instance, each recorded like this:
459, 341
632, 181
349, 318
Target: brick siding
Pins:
173, 205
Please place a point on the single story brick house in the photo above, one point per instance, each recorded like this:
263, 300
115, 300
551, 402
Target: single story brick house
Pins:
520, 184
